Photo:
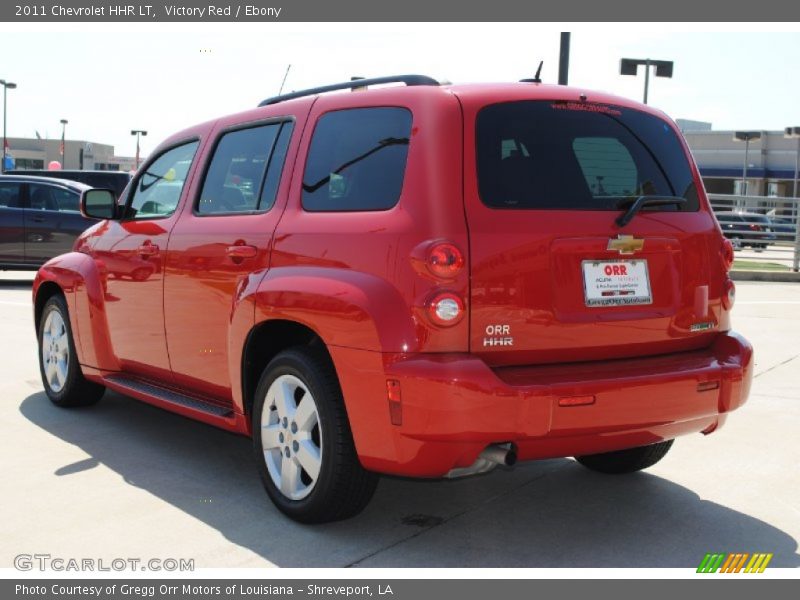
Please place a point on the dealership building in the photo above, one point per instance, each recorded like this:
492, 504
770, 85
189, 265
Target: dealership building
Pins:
771, 160
34, 153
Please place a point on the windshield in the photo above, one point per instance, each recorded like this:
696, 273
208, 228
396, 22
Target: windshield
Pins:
578, 155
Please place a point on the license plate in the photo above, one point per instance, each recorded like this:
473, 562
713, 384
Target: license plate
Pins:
616, 282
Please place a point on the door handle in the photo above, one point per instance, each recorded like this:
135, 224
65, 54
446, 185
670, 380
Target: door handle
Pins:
241, 251
147, 249
37, 219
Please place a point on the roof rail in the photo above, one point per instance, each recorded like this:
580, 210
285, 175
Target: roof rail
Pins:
407, 79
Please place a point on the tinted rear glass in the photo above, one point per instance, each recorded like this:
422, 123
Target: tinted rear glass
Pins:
569, 155
357, 160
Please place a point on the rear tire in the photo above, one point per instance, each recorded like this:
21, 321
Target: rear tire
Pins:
63, 380
626, 461
302, 440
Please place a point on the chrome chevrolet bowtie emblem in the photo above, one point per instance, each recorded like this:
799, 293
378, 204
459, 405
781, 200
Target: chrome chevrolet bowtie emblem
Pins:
625, 244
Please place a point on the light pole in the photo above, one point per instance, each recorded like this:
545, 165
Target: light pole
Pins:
63, 141
137, 133
630, 66
794, 133
745, 136
7, 85
563, 59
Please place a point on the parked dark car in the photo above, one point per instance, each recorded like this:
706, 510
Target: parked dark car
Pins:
784, 229
747, 229
109, 180
39, 219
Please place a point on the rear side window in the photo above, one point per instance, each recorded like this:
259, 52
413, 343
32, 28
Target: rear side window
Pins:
569, 155
357, 160
245, 170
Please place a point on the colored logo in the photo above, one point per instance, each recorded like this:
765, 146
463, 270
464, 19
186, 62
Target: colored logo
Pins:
625, 244
734, 563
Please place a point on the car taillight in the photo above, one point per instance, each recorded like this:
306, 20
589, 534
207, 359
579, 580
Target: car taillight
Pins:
728, 294
445, 309
754, 227
444, 260
727, 254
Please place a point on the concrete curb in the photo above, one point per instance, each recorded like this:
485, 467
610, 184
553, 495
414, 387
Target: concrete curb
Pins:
773, 276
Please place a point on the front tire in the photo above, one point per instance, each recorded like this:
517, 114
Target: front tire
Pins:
302, 440
626, 461
63, 380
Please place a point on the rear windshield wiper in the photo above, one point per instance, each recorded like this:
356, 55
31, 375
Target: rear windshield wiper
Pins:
642, 201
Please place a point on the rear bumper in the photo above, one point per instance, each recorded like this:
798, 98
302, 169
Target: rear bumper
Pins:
454, 405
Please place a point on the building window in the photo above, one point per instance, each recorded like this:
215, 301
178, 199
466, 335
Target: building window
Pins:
28, 163
740, 188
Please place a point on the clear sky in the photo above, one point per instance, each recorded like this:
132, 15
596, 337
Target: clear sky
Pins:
109, 79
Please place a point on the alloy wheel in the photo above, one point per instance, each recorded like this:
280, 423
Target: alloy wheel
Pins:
291, 437
55, 351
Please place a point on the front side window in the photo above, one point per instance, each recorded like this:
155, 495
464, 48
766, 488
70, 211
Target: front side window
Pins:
47, 197
158, 188
245, 170
578, 155
357, 160
10, 194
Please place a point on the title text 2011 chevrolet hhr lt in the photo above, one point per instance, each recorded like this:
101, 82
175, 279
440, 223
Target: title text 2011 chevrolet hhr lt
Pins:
421, 280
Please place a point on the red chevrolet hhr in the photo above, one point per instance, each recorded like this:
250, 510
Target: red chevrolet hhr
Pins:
420, 279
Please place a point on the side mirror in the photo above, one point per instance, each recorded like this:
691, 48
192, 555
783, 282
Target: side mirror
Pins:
99, 204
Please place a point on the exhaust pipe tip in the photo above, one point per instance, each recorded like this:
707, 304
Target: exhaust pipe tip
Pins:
501, 454
511, 457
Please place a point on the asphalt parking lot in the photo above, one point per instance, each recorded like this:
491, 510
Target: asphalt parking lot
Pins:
123, 479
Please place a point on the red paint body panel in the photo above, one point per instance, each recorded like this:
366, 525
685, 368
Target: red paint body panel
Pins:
455, 405
526, 268
180, 317
199, 272
377, 247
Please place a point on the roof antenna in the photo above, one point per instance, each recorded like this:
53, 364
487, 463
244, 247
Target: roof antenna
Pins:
536, 78
284, 79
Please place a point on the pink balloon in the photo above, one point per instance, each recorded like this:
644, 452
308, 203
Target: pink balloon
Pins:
54, 165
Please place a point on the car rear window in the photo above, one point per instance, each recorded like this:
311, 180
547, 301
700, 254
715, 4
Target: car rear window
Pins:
577, 155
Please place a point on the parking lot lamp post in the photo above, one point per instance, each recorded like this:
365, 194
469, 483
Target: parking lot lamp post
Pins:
630, 66
137, 133
7, 85
63, 141
746, 137
794, 133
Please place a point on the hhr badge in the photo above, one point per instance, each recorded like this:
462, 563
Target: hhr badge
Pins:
500, 336
625, 244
